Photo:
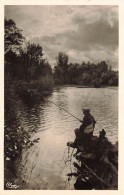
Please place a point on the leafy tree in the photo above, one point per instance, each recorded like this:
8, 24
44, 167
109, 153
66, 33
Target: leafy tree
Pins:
74, 72
62, 60
13, 37
58, 75
43, 69
86, 78
62, 64
23, 63
10, 64
32, 58
104, 78
102, 67
35, 51
96, 82
113, 78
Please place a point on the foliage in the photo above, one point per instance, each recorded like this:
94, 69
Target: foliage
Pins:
35, 51
13, 36
16, 137
23, 64
45, 83
96, 82
61, 68
89, 74
27, 67
62, 60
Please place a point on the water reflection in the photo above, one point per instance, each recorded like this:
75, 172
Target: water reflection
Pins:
30, 113
56, 127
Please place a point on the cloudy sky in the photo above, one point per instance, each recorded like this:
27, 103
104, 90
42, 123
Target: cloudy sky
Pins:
84, 33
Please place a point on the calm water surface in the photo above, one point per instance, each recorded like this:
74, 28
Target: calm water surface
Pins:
45, 162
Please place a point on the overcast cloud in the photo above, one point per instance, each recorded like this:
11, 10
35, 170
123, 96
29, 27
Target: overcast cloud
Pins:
87, 33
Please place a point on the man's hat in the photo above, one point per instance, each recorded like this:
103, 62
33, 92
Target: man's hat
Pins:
86, 110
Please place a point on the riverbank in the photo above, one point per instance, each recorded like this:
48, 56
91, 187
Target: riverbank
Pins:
16, 137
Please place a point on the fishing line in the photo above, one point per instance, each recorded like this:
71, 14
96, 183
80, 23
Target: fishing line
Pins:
63, 109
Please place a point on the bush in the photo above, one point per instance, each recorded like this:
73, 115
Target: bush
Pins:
113, 81
96, 82
45, 83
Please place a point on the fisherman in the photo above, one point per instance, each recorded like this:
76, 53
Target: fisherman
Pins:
85, 132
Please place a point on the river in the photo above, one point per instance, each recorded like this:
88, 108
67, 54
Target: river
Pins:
45, 165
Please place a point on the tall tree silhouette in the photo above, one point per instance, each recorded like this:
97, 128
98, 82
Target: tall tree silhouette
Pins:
13, 37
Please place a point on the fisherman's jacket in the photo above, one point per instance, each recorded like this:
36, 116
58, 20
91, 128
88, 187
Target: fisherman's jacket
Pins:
88, 124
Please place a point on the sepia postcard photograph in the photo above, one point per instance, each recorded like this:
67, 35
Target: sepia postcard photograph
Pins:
61, 97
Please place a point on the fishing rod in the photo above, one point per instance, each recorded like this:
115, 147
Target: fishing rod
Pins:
63, 109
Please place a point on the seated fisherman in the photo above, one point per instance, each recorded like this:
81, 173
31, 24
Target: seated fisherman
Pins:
86, 129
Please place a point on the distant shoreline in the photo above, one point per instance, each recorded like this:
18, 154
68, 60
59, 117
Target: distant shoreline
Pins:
84, 86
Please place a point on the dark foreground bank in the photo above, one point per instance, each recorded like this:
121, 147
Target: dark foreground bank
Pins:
97, 164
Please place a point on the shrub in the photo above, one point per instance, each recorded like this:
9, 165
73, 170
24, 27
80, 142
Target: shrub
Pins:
45, 83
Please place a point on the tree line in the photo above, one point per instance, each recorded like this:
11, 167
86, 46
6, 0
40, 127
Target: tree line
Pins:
25, 61
89, 74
